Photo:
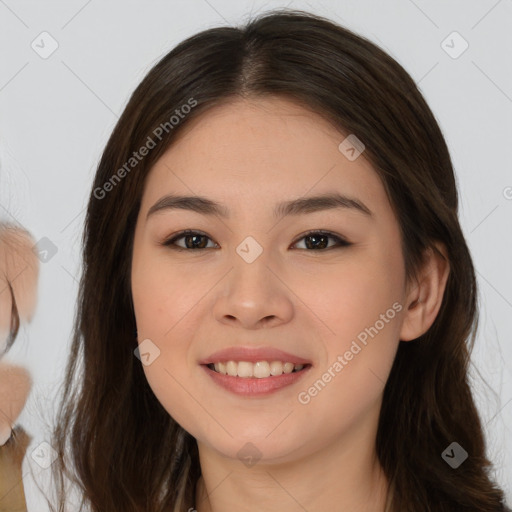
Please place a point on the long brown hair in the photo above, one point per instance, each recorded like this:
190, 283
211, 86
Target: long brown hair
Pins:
113, 438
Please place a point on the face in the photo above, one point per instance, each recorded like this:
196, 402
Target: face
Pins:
256, 280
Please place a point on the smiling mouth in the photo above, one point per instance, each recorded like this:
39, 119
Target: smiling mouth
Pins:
258, 370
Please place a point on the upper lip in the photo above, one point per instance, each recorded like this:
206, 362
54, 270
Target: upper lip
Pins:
253, 355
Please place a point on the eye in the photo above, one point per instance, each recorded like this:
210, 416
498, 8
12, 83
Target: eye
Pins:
319, 240
192, 240
315, 240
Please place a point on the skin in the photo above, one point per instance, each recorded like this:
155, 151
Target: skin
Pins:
19, 267
249, 155
15, 385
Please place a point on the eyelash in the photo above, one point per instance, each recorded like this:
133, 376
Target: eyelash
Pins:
170, 243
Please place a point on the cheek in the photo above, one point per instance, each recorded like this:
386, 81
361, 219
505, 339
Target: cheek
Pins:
352, 295
170, 382
158, 310
162, 294
360, 304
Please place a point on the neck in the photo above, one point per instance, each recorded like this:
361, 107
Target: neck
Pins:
346, 473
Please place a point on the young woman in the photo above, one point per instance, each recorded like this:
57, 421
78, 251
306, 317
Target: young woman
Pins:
278, 305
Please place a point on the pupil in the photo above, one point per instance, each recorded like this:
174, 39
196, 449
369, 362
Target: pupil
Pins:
201, 246
315, 237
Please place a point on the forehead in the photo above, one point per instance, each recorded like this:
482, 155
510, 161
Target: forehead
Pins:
260, 149
267, 121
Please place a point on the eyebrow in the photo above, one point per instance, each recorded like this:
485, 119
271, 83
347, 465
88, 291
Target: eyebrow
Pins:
303, 205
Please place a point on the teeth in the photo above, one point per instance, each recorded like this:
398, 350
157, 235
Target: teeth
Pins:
245, 369
260, 370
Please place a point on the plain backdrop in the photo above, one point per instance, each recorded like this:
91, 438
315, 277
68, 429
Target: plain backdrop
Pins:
57, 111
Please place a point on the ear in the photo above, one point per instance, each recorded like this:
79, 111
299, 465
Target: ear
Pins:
425, 296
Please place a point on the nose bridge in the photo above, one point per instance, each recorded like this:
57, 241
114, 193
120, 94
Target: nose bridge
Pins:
251, 277
252, 293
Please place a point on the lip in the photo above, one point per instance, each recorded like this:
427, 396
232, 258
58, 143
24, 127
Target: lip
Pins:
253, 355
252, 386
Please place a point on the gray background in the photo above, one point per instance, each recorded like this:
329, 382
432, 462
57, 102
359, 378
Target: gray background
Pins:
56, 114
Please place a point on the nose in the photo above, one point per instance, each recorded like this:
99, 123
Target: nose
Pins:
253, 295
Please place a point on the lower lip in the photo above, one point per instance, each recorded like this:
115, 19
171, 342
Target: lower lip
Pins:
251, 386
